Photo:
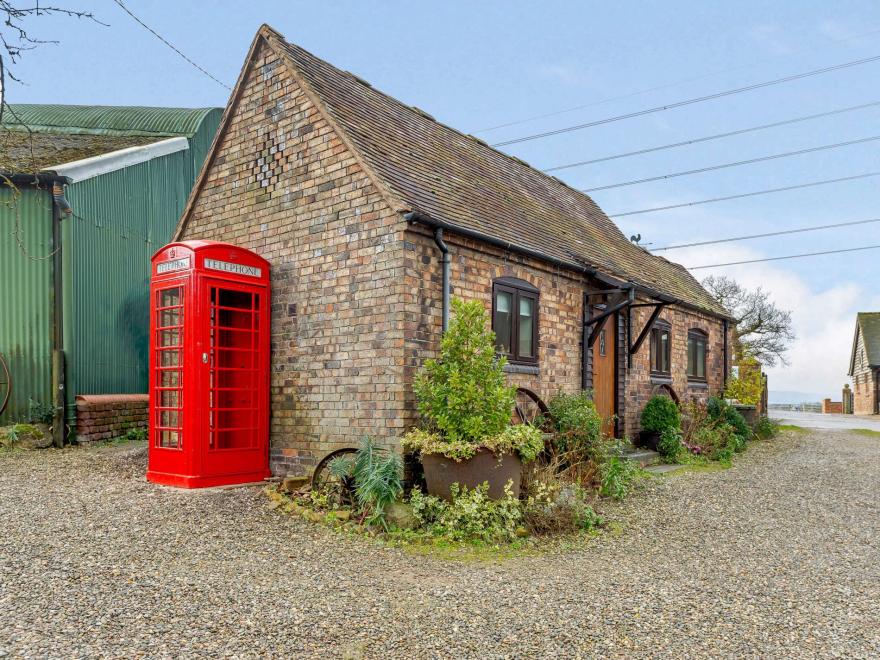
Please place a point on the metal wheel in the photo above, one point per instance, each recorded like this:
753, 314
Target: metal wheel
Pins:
340, 489
530, 409
5, 384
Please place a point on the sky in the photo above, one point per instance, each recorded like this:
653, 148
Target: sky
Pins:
479, 65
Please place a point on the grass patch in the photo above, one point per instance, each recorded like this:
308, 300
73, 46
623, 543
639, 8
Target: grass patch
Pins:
793, 428
867, 432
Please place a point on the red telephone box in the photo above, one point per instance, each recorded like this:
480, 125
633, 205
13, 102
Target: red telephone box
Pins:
209, 365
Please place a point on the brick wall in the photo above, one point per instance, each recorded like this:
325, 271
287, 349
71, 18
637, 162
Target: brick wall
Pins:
829, 406
473, 269
104, 416
284, 185
641, 385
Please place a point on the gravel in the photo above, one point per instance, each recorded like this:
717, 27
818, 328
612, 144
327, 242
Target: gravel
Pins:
777, 557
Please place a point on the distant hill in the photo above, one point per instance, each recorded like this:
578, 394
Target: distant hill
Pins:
788, 396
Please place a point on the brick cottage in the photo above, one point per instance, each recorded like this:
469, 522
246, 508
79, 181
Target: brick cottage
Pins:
365, 206
864, 364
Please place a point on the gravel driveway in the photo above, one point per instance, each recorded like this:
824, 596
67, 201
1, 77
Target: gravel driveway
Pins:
778, 556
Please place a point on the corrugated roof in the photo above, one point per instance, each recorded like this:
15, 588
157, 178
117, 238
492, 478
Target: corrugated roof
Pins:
25, 152
460, 180
106, 120
869, 323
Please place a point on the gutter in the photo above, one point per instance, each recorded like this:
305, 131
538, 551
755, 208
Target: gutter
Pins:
87, 168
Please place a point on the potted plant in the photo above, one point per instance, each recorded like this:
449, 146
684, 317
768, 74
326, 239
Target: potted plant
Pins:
660, 413
466, 406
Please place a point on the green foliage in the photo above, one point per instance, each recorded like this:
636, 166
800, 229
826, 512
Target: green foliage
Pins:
377, 476
522, 439
766, 428
463, 394
136, 434
717, 441
660, 413
40, 413
470, 516
749, 386
616, 475
719, 409
669, 445
341, 467
578, 424
553, 508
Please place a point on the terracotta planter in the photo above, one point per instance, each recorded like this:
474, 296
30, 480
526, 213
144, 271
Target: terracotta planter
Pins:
442, 472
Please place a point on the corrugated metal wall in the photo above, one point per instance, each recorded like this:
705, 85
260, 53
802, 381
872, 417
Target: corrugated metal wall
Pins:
120, 219
26, 297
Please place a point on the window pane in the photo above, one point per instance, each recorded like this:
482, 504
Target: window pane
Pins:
526, 326
701, 359
503, 320
169, 297
664, 351
692, 357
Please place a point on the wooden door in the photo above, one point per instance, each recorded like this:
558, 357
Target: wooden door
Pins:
605, 371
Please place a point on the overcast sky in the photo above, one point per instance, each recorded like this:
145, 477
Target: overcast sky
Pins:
478, 65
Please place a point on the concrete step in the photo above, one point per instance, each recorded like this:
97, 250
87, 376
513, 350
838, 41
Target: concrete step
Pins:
644, 457
662, 468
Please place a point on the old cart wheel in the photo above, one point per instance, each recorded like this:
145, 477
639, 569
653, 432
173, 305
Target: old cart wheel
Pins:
5, 384
530, 409
340, 489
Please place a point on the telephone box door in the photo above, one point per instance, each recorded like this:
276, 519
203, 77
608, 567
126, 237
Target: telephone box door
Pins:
234, 378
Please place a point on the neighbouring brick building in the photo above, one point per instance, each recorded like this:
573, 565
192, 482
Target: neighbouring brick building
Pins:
361, 204
864, 364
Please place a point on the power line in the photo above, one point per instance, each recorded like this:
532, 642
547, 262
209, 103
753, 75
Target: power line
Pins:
772, 233
790, 256
168, 43
657, 88
707, 138
679, 104
748, 194
750, 161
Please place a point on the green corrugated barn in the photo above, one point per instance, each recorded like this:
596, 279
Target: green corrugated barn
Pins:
87, 195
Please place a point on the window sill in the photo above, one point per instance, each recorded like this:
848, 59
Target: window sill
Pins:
532, 369
698, 385
661, 379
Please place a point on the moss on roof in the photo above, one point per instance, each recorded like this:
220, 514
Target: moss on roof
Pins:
869, 323
22, 152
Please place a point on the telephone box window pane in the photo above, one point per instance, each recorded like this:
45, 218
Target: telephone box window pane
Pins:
169, 399
526, 326
503, 320
169, 378
169, 358
169, 297
169, 338
168, 418
169, 439
169, 318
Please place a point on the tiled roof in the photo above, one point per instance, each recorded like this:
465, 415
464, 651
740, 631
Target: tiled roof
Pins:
869, 323
459, 180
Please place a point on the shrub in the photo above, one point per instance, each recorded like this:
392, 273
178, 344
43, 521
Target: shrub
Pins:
720, 410
660, 413
463, 394
578, 424
552, 508
766, 428
470, 516
749, 386
522, 439
376, 474
40, 413
616, 477
669, 445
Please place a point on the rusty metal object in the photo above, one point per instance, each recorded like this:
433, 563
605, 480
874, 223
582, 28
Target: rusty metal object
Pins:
442, 472
529, 408
5, 384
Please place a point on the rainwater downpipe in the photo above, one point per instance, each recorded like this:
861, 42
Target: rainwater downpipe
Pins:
446, 261
60, 207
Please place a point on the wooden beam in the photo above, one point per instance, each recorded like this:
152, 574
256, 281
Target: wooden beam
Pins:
634, 348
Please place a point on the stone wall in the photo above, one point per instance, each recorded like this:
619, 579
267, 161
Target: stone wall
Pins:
105, 416
284, 185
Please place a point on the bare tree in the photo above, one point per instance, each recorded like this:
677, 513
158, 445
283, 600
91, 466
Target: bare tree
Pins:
762, 330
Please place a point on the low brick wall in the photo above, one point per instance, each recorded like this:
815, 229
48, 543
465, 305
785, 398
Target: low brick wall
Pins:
105, 416
829, 406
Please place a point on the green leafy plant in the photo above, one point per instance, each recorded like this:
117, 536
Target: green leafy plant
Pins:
378, 481
659, 414
471, 515
463, 396
40, 413
748, 387
616, 477
766, 428
136, 434
554, 507
669, 445
578, 424
719, 409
